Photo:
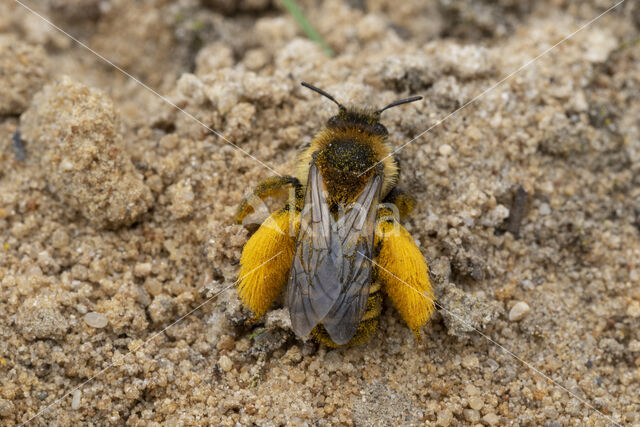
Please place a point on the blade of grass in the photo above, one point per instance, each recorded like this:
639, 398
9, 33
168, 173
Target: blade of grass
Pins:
311, 32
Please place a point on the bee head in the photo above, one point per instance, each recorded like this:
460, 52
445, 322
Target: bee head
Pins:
368, 122
365, 121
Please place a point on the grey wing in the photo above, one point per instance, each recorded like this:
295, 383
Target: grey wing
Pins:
356, 232
314, 285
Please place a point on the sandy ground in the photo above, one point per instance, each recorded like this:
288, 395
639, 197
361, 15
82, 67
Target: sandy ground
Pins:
116, 211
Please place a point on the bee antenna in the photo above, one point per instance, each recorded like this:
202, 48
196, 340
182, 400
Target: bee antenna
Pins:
400, 102
321, 92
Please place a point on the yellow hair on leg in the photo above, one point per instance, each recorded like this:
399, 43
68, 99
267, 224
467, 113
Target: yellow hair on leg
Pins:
261, 278
404, 274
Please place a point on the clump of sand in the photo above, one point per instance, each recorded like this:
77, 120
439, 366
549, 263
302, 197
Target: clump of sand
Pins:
23, 72
74, 131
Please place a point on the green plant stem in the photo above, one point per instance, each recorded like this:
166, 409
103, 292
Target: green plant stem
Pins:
311, 32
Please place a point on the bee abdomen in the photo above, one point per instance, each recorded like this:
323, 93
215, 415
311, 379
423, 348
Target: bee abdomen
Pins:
367, 326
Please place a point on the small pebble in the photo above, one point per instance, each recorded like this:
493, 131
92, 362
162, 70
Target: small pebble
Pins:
493, 365
518, 311
445, 149
142, 269
153, 286
60, 239
297, 376
75, 401
243, 345
527, 284
471, 416
96, 320
476, 403
634, 309
471, 390
225, 363
293, 355
491, 419
544, 209
474, 133
6, 407
225, 343
444, 418
470, 362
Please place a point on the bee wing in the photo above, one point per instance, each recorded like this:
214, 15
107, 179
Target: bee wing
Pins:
314, 284
330, 276
356, 231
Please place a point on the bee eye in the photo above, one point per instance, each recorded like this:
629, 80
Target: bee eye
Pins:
333, 121
379, 129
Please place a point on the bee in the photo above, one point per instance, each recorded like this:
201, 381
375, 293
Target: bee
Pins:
337, 244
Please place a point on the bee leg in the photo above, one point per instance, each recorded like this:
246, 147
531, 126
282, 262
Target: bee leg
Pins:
404, 201
403, 273
266, 260
271, 186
